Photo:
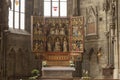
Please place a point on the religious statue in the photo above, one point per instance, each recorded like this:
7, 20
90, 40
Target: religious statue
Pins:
57, 31
39, 31
62, 31
65, 45
79, 33
41, 46
74, 47
52, 31
35, 30
57, 45
49, 45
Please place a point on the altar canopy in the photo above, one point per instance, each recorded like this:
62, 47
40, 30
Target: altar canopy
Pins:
57, 40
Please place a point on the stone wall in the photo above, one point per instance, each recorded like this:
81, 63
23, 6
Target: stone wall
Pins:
16, 58
3, 25
19, 59
91, 62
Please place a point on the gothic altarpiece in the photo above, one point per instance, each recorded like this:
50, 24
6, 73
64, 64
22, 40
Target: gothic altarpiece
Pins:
58, 40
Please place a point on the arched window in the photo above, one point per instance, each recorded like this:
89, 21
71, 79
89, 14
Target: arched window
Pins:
55, 8
17, 14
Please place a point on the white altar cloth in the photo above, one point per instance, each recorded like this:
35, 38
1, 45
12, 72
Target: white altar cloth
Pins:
57, 72
58, 68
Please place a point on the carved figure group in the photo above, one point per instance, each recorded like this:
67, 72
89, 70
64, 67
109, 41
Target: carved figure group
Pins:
37, 29
57, 31
65, 44
58, 45
49, 45
62, 31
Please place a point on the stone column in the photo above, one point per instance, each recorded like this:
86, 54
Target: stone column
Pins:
35, 7
69, 7
118, 18
115, 37
4, 6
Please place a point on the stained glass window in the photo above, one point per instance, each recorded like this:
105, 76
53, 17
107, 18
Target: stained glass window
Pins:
55, 8
17, 14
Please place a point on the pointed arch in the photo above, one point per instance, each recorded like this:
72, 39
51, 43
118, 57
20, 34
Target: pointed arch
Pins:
11, 53
19, 61
91, 22
11, 61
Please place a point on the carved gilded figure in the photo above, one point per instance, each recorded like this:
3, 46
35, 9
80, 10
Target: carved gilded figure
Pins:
74, 47
39, 31
57, 31
62, 31
35, 30
57, 45
52, 31
41, 46
49, 45
65, 45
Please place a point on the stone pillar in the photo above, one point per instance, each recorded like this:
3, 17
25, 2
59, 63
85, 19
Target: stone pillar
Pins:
4, 6
35, 7
118, 18
75, 8
38, 7
29, 9
115, 37
69, 7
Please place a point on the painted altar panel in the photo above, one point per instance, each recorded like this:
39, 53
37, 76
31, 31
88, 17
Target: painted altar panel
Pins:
77, 35
38, 37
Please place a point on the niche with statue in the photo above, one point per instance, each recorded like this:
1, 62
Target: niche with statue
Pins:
57, 37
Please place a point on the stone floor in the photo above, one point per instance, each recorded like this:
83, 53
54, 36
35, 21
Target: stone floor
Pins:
61, 79
56, 79
76, 79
